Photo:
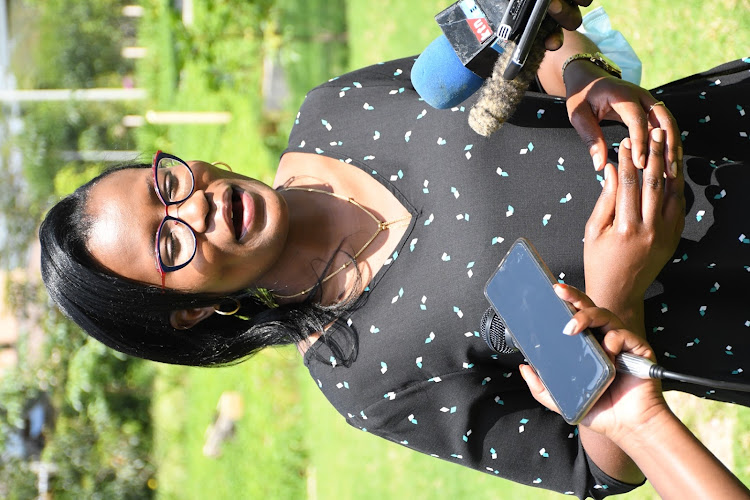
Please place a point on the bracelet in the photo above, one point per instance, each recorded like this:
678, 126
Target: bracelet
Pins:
597, 58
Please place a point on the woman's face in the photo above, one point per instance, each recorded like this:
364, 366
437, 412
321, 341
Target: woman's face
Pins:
229, 255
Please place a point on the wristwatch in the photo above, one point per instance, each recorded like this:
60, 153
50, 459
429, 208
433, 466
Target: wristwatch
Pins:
597, 58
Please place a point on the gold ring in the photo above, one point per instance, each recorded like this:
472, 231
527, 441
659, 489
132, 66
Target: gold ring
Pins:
657, 103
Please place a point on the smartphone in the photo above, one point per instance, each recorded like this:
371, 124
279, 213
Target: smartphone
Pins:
574, 369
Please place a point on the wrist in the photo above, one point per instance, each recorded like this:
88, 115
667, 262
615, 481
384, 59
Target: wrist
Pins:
629, 309
594, 58
581, 73
649, 429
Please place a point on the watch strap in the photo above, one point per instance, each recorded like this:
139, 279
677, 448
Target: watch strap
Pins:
597, 58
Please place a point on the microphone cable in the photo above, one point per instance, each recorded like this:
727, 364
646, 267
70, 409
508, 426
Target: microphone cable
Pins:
645, 368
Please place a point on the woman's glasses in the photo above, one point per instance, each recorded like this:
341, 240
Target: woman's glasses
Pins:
175, 243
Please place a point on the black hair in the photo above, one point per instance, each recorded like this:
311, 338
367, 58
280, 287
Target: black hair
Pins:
133, 317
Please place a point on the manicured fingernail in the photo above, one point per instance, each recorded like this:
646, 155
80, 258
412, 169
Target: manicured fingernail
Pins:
555, 7
657, 134
642, 161
673, 169
597, 161
570, 327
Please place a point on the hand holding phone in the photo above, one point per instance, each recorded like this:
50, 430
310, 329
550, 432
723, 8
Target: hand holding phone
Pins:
629, 399
574, 369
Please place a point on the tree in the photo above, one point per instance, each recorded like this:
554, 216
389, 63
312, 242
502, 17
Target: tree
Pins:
83, 38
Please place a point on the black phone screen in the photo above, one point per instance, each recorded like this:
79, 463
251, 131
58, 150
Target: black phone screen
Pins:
574, 369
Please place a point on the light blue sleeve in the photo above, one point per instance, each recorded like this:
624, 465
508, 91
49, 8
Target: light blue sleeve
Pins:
612, 43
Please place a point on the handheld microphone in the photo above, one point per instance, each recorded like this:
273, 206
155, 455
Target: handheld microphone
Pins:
455, 65
499, 339
440, 78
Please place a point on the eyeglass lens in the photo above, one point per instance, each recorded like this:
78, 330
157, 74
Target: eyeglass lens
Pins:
176, 239
173, 180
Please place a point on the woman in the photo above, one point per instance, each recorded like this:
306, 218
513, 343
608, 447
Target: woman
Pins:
386, 221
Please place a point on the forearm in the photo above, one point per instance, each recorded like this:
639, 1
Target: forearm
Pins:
550, 71
606, 454
609, 457
676, 462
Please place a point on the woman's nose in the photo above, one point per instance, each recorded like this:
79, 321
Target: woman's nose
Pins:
194, 211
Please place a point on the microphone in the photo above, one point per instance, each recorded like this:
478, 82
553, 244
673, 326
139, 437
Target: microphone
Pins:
440, 78
498, 337
496, 334
456, 64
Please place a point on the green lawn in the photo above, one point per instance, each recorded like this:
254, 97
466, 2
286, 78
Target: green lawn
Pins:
290, 442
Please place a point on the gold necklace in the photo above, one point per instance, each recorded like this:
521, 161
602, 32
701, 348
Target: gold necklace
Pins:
382, 226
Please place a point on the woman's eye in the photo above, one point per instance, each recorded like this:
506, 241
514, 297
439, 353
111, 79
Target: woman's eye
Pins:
176, 247
173, 248
169, 247
170, 185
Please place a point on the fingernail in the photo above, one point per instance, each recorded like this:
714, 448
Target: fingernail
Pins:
642, 161
570, 327
597, 161
673, 169
657, 134
555, 7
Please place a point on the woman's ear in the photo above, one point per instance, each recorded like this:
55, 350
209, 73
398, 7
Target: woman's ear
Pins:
188, 318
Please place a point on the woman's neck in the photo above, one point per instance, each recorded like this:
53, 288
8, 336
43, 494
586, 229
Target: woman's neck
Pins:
318, 226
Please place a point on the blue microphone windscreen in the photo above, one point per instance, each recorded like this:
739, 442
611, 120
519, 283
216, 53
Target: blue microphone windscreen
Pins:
439, 77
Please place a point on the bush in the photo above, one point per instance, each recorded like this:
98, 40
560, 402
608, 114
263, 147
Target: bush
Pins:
84, 38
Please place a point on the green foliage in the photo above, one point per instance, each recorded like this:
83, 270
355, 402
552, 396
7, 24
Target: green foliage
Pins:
315, 43
84, 38
50, 130
18, 220
214, 65
70, 176
103, 431
101, 438
17, 388
17, 481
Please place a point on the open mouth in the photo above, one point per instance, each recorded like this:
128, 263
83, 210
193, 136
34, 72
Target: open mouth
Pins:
238, 212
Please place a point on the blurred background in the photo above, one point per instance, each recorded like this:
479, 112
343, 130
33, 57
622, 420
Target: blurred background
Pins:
221, 81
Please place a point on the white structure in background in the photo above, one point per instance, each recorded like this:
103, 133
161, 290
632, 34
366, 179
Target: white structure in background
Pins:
133, 52
101, 94
111, 156
178, 117
186, 8
132, 11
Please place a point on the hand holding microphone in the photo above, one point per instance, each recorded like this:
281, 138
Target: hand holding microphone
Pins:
479, 44
500, 41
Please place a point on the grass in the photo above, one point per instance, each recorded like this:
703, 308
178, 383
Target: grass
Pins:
268, 455
291, 443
